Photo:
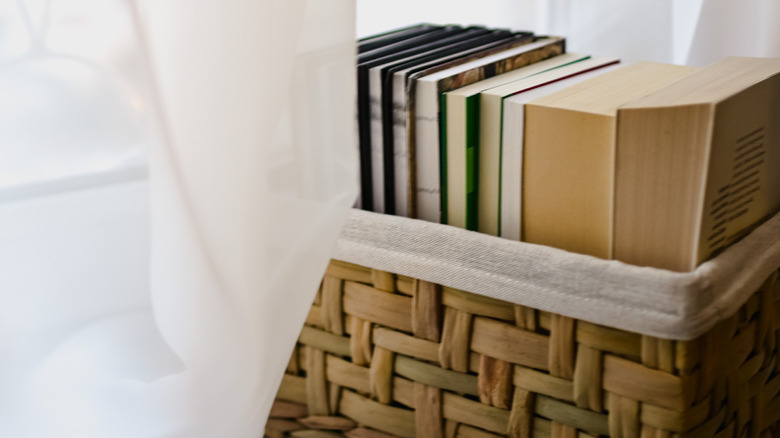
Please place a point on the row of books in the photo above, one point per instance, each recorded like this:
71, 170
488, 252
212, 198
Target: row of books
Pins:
652, 164
401, 75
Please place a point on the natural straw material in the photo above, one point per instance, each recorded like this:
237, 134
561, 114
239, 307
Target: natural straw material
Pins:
427, 330
388, 355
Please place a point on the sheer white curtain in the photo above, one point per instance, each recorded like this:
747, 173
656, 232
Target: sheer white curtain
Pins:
247, 110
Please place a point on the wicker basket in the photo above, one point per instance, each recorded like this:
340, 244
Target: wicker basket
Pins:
388, 355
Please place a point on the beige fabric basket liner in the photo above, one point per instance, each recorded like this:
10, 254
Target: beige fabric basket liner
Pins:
649, 301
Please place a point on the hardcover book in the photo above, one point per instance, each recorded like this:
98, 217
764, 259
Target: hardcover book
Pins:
462, 133
381, 153
405, 47
384, 156
391, 37
426, 91
397, 96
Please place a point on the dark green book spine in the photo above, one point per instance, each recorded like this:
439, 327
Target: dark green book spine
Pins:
472, 162
443, 155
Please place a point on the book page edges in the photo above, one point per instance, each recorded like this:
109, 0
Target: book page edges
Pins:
660, 177
743, 165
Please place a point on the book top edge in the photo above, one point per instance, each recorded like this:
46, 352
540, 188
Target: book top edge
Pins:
712, 84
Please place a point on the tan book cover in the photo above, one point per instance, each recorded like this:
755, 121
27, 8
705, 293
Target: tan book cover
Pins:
569, 157
698, 164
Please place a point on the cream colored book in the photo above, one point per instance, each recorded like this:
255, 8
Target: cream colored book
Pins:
569, 157
491, 171
698, 164
510, 137
462, 127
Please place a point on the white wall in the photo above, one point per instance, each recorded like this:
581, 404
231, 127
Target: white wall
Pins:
375, 16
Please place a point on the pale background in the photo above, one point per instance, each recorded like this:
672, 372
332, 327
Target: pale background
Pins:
135, 311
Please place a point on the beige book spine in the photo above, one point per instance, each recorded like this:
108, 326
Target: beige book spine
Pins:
567, 192
489, 186
456, 159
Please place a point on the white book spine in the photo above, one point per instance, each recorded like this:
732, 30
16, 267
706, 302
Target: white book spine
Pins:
377, 152
511, 169
426, 145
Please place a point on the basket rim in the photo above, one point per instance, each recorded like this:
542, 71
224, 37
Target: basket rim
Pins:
649, 301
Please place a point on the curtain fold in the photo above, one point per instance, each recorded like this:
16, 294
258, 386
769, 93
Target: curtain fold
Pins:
690, 32
251, 176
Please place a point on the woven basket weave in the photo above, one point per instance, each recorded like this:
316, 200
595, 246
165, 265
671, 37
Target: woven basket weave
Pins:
387, 355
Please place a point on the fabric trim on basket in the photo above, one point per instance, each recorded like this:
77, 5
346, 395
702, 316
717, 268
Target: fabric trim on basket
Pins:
649, 301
